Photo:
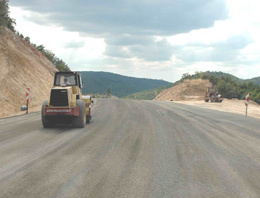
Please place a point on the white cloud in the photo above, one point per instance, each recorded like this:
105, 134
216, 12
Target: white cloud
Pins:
56, 38
148, 50
236, 41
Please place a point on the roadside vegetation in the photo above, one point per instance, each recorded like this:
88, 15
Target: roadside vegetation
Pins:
148, 94
7, 21
228, 85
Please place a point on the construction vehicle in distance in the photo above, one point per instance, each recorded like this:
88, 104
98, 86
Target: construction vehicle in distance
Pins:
212, 95
66, 102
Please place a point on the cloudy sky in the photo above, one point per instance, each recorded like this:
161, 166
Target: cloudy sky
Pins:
160, 39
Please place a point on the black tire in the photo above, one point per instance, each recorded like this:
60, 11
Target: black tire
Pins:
206, 100
88, 119
47, 122
80, 121
213, 98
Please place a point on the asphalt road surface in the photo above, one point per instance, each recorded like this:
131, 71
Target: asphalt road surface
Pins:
132, 149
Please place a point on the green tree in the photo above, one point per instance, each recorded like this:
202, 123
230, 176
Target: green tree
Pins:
213, 80
186, 76
197, 75
27, 38
58, 63
5, 19
50, 55
40, 48
61, 65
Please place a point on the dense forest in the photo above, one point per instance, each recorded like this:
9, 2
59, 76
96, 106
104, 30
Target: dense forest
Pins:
254, 80
100, 82
228, 85
7, 21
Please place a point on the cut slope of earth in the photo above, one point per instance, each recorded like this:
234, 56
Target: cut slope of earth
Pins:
186, 90
22, 66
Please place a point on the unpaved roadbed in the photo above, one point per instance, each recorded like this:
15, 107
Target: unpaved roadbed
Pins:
234, 106
132, 149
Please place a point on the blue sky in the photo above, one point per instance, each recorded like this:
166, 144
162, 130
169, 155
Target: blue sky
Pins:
151, 39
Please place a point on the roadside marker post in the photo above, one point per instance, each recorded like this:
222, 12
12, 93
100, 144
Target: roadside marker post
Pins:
27, 98
247, 102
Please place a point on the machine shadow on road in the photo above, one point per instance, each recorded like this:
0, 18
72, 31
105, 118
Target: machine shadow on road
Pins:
62, 127
57, 129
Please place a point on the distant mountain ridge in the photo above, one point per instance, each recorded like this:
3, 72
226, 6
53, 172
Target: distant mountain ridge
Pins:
148, 94
255, 80
99, 82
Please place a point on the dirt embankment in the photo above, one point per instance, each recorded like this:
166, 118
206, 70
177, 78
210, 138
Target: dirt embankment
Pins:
22, 66
191, 92
185, 91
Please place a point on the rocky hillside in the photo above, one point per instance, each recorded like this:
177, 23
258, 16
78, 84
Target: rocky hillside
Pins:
186, 90
22, 66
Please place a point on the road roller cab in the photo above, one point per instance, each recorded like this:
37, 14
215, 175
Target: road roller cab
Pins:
66, 101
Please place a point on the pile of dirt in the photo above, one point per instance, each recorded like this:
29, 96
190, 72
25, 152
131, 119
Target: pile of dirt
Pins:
185, 91
22, 66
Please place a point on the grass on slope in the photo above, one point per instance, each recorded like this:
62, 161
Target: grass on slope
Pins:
148, 94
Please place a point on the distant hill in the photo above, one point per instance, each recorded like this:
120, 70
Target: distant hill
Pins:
147, 94
254, 80
99, 82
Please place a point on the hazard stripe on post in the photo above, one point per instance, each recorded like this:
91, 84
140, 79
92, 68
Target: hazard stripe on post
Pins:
247, 102
27, 94
247, 99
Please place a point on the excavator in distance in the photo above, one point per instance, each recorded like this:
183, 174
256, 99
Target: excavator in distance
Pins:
212, 95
